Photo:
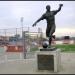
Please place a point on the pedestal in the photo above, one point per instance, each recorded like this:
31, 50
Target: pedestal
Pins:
48, 60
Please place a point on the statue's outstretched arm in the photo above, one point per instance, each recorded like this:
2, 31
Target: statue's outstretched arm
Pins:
41, 18
56, 11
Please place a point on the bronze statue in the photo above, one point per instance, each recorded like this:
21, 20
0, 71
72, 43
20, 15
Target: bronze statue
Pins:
50, 18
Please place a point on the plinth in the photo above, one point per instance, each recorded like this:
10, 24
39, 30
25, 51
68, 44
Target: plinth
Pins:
48, 60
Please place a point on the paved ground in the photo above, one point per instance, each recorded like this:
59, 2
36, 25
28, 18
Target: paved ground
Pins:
28, 66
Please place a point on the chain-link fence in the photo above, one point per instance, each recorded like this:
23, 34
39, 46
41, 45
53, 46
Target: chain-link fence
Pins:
25, 40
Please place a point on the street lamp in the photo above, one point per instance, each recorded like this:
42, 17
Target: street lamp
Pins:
23, 39
22, 23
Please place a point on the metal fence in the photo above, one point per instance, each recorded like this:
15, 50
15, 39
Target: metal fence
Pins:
27, 37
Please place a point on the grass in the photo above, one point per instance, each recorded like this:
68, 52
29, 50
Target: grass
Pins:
66, 47
34, 49
63, 47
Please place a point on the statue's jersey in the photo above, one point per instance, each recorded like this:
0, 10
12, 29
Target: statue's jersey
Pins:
50, 18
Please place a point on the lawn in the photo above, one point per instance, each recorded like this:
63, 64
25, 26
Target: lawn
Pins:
66, 47
33, 49
63, 47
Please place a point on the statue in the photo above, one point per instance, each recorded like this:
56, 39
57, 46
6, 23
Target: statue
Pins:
50, 18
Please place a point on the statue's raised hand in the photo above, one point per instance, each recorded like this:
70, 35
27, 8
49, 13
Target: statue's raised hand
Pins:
34, 24
61, 5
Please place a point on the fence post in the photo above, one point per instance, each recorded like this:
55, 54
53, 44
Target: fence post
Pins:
24, 48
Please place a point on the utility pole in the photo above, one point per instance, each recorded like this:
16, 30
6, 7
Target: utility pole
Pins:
23, 39
22, 23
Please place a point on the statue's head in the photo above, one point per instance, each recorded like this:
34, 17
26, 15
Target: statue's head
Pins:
48, 7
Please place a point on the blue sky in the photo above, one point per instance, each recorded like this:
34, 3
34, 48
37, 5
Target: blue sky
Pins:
12, 11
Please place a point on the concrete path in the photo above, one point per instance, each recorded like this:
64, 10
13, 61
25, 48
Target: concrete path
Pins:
28, 66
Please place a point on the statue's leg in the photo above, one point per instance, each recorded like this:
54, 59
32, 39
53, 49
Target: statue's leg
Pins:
50, 39
52, 30
48, 34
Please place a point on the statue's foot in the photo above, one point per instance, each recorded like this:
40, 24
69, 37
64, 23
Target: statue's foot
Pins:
49, 46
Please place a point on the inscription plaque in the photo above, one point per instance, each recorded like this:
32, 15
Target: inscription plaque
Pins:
45, 62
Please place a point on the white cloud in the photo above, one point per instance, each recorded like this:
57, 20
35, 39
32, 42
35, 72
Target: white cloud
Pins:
65, 31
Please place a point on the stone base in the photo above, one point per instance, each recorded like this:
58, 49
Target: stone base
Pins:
48, 49
48, 60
